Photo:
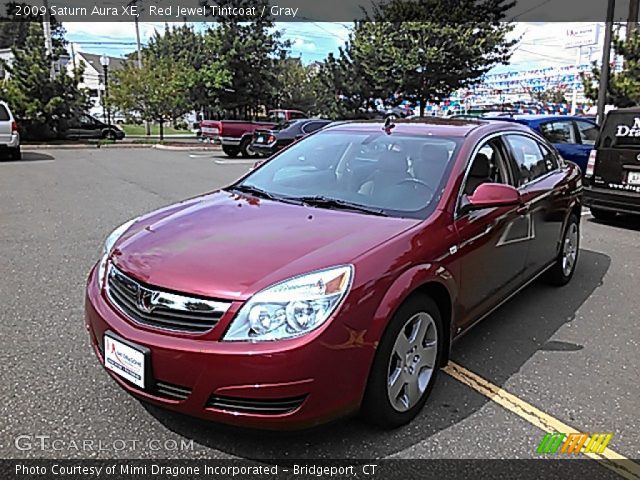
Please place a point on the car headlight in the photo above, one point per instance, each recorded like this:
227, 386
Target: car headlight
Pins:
110, 241
291, 308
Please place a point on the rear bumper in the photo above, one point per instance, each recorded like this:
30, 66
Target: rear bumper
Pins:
616, 201
230, 141
10, 141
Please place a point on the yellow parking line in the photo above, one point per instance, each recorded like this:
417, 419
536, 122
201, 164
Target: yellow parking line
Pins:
610, 459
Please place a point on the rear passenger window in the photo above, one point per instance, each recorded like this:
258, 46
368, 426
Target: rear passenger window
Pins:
531, 162
588, 132
558, 132
4, 114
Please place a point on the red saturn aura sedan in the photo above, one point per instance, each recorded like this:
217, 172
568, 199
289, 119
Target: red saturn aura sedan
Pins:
335, 276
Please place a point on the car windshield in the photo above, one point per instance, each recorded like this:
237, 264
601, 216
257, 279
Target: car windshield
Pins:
373, 172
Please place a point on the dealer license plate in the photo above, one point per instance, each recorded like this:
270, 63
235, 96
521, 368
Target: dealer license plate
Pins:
633, 178
124, 360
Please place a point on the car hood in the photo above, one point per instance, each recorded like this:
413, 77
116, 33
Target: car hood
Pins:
230, 246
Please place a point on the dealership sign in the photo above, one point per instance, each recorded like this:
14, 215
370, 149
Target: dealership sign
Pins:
582, 36
629, 131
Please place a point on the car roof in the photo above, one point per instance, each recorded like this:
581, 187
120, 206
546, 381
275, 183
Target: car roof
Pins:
433, 126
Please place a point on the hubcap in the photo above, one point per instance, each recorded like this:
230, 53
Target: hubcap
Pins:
570, 249
412, 361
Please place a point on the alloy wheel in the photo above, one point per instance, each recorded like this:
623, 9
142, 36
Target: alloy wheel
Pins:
570, 249
412, 362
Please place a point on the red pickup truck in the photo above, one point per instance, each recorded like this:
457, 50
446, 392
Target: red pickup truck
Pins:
235, 135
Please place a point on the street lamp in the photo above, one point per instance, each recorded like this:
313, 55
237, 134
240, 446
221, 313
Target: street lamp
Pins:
104, 61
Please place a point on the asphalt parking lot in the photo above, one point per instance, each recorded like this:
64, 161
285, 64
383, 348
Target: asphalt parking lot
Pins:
573, 352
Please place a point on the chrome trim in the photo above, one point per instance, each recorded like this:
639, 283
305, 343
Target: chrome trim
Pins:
152, 307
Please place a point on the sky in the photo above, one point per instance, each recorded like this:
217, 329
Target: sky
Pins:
541, 44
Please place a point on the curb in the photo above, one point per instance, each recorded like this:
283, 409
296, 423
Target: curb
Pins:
194, 148
85, 146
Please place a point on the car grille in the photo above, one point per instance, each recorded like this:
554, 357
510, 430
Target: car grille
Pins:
147, 305
266, 406
171, 391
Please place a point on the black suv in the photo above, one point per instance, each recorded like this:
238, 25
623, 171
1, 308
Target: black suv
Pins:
612, 179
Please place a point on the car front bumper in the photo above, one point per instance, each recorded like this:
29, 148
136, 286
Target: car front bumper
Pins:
612, 200
247, 384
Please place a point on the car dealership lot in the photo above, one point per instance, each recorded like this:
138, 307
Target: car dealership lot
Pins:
570, 352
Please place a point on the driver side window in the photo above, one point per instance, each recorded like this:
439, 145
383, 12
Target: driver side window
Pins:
488, 166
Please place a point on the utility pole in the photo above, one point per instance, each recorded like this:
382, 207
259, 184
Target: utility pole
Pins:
139, 48
632, 18
606, 55
48, 43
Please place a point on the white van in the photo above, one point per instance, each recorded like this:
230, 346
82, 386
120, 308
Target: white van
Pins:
9, 136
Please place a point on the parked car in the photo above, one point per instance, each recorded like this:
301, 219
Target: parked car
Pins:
89, 127
9, 136
573, 135
613, 173
336, 275
235, 136
268, 142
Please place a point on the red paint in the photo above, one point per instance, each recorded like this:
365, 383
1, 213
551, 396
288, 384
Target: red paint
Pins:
229, 247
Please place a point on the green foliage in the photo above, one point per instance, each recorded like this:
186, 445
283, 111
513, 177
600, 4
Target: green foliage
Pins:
403, 50
624, 86
42, 103
295, 85
14, 32
159, 91
250, 52
207, 74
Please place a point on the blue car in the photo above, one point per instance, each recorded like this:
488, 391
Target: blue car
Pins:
573, 136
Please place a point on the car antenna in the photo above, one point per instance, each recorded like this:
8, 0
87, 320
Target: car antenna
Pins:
388, 125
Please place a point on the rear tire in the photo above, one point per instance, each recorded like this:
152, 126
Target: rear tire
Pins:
562, 271
245, 148
230, 151
406, 364
15, 153
603, 215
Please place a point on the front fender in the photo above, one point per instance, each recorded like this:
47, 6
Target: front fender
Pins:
408, 282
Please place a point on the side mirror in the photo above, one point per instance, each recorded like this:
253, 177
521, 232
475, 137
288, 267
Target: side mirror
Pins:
489, 195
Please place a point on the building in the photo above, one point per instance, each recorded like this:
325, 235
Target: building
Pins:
93, 74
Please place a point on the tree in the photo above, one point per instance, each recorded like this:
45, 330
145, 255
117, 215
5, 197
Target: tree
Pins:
295, 88
624, 86
249, 50
551, 95
14, 30
208, 74
43, 104
402, 50
159, 91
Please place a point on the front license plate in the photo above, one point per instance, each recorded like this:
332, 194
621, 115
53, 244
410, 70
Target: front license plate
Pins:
633, 178
125, 360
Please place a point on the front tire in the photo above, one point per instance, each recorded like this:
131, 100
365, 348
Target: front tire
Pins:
562, 271
230, 151
406, 364
245, 148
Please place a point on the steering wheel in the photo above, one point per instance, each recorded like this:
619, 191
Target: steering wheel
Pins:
416, 181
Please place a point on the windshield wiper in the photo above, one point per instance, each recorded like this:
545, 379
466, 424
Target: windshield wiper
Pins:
260, 193
321, 201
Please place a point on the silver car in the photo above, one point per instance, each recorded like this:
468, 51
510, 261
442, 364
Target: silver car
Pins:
9, 136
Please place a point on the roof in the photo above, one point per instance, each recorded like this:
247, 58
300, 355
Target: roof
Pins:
431, 125
92, 59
